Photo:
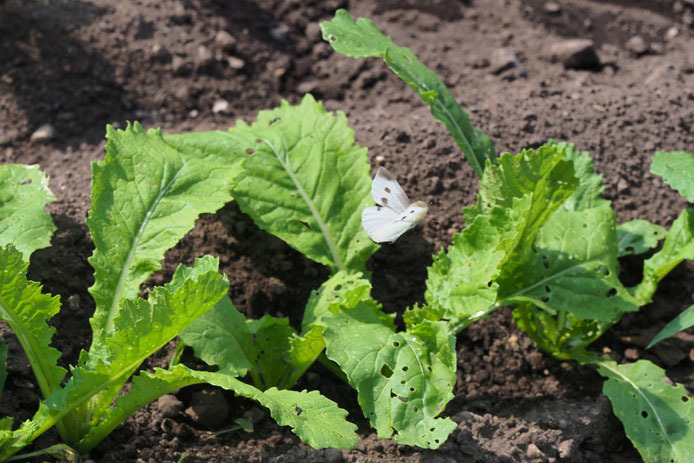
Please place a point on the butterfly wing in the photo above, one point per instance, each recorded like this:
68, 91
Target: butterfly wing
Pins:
383, 224
387, 192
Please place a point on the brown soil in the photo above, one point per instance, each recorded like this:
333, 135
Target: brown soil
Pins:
79, 65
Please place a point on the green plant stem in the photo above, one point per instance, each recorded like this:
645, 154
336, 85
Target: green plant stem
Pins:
117, 415
62, 451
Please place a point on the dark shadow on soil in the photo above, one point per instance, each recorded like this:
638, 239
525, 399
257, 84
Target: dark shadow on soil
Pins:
55, 78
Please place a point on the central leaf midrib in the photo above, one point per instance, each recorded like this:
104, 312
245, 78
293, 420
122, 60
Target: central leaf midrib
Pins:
115, 301
327, 236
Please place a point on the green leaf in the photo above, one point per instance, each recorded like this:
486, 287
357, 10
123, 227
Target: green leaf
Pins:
681, 322
678, 246
23, 221
318, 421
589, 192
341, 290
142, 327
362, 39
461, 280
638, 236
573, 268
404, 380
677, 169
657, 416
304, 180
220, 337
26, 309
269, 349
146, 196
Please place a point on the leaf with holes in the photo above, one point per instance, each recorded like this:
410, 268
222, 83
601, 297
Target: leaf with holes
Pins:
658, 417
304, 180
403, 379
573, 268
461, 281
638, 236
362, 39
677, 169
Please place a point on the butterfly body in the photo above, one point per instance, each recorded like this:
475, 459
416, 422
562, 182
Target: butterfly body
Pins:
394, 213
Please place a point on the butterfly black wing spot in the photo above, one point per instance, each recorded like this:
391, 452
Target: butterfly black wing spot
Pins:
403, 217
384, 201
378, 208
387, 190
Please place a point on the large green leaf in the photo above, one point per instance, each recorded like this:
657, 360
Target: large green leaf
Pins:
638, 236
141, 327
304, 180
403, 380
461, 280
573, 268
677, 169
658, 417
146, 196
678, 246
681, 322
26, 309
362, 39
318, 421
23, 221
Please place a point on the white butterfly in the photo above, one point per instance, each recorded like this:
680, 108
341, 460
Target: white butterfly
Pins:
395, 214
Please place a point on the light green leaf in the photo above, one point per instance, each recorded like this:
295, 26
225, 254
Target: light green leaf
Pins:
404, 380
461, 280
341, 290
318, 421
23, 221
304, 180
638, 236
142, 327
26, 309
657, 416
677, 169
220, 337
678, 246
146, 196
362, 39
544, 174
269, 349
681, 322
589, 192
573, 268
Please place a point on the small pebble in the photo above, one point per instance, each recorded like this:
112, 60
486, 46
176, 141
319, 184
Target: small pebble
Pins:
44, 133
502, 59
169, 405
552, 8
220, 107
573, 54
278, 33
235, 63
225, 40
671, 33
636, 45
534, 453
